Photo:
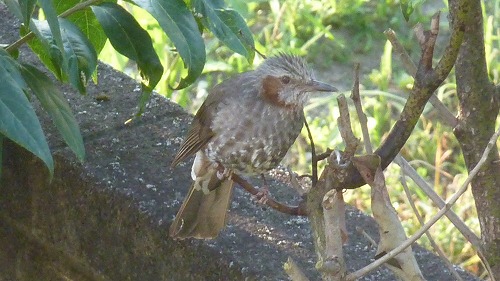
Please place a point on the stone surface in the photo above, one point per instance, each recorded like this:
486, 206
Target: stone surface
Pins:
108, 218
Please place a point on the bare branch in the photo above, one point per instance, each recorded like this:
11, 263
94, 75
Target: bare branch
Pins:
426, 82
419, 31
408, 63
447, 117
324, 155
427, 40
429, 166
434, 219
359, 110
345, 128
368, 237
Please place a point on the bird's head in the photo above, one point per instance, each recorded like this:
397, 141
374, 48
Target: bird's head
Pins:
287, 81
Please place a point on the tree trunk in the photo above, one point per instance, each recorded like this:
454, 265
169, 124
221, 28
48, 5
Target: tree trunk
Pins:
477, 115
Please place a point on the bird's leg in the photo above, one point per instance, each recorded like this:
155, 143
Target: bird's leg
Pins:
263, 193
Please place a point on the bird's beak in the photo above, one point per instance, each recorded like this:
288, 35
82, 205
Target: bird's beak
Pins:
318, 86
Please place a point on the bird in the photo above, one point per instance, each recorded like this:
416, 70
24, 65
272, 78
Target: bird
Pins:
245, 126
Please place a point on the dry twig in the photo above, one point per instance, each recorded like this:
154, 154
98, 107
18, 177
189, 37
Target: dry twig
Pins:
429, 191
345, 127
314, 159
429, 236
359, 110
367, 236
447, 117
434, 219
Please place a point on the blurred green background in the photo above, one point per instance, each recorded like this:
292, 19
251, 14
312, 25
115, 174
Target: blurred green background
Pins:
333, 35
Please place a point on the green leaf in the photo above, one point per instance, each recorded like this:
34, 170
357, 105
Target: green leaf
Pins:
180, 26
86, 22
45, 48
80, 58
27, 7
51, 16
55, 104
227, 25
128, 38
406, 9
18, 120
80, 54
408, 6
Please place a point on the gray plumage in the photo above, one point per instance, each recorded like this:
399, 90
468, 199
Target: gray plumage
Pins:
246, 125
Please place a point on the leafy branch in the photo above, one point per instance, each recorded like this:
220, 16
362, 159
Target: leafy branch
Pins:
30, 35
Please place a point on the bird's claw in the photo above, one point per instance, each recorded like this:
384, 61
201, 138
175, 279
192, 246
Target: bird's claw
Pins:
262, 195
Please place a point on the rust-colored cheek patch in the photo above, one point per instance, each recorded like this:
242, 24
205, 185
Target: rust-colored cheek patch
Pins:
271, 86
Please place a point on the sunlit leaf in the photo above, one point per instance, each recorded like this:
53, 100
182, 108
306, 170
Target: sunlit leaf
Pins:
227, 25
44, 47
86, 22
80, 58
180, 26
80, 54
128, 38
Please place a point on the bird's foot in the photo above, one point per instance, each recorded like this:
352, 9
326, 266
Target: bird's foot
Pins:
262, 195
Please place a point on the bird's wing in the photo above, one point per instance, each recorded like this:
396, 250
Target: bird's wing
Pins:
198, 135
200, 132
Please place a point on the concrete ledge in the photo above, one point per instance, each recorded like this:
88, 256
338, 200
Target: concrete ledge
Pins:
108, 218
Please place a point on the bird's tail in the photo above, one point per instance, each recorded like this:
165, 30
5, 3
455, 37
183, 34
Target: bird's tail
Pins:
203, 212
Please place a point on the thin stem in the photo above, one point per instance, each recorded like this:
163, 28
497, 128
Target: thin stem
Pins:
78, 7
447, 117
429, 191
359, 110
429, 236
314, 160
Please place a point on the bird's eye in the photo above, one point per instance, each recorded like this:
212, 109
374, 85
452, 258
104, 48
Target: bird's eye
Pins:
285, 79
